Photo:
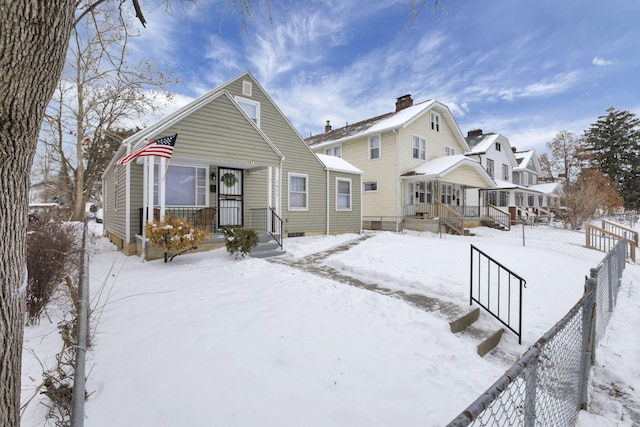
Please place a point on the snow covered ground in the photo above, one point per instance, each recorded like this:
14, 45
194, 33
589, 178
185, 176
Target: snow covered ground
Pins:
210, 340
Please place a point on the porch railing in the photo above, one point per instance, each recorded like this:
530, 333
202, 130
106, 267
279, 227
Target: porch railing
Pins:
497, 289
620, 230
450, 218
501, 217
603, 240
268, 221
201, 217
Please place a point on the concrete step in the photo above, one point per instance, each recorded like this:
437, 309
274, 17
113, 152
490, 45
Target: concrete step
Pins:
465, 324
465, 321
490, 342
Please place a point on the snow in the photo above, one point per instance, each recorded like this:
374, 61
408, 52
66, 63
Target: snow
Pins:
338, 164
211, 340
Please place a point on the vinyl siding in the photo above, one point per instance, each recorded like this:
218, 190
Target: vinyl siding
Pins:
465, 175
115, 219
344, 221
299, 159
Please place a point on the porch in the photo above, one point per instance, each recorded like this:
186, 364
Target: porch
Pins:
436, 217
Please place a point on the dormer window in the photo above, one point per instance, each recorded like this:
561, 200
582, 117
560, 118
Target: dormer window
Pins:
449, 151
334, 151
251, 108
435, 121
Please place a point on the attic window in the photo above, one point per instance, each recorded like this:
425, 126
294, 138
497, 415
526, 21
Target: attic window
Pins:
252, 108
435, 121
246, 88
498, 146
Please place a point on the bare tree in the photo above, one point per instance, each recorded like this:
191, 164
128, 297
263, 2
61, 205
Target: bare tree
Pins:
547, 168
589, 192
564, 155
99, 89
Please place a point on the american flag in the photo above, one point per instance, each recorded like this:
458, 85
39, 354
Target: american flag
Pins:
161, 147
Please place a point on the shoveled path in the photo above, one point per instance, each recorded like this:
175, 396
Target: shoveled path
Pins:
314, 263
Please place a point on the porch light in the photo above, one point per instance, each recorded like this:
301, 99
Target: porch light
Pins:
213, 176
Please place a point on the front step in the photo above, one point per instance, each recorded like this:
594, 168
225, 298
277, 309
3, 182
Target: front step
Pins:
267, 247
488, 340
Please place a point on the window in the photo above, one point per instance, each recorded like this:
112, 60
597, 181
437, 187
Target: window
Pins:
505, 172
491, 197
370, 186
343, 194
449, 151
252, 108
116, 189
419, 148
498, 146
334, 151
531, 200
446, 194
504, 198
298, 193
184, 185
247, 88
435, 121
490, 167
534, 179
374, 147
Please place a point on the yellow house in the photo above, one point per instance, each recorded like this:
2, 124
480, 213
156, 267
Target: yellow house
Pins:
413, 163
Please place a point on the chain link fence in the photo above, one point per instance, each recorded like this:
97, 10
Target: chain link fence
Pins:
547, 386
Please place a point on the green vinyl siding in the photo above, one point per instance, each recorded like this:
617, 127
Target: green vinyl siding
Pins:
345, 221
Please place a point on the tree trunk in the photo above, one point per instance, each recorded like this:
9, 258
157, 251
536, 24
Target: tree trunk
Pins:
35, 35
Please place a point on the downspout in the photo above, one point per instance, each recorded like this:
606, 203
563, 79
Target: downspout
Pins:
328, 203
399, 194
127, 195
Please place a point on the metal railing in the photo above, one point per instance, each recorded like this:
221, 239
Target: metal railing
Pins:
548, 385
496, 289
268, 221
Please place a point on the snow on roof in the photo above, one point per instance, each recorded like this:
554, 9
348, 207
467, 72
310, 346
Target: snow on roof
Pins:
338, 164
548, 187
481, 143
373, 125
523, 158
441, 165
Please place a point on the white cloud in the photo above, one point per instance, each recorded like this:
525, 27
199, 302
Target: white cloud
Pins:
601, 62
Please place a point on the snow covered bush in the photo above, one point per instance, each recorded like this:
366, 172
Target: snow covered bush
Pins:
174, 236
239, 241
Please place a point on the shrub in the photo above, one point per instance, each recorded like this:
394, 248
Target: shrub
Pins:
239, 241
51, 255
174, 236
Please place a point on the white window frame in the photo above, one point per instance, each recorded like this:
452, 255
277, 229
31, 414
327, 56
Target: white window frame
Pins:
418, 147
435, 121
449, 151
241, 100
247, 88
306, 191
335, 150
498, 146
373, 183
350, 195
505, 172
201, 188
379, 148
491, 167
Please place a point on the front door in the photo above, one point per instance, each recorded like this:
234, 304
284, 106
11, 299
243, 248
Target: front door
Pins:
230, 204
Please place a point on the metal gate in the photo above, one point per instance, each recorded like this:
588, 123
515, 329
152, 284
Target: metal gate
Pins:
230, 197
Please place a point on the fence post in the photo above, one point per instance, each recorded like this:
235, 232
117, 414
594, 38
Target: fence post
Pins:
530, 394
523, 242
588, 336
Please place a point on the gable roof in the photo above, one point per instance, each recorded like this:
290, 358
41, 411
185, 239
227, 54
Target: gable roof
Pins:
441, 166
481, 143
171, 119
387, 122
527, 160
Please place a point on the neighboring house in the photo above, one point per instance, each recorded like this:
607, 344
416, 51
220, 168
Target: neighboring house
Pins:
237, 161
412, 160
533, 198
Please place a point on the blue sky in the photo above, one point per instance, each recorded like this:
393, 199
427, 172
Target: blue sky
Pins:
525, 69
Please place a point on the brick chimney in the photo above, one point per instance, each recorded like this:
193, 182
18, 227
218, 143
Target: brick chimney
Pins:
475, 132
403, 102
327, 127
